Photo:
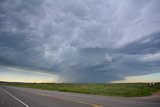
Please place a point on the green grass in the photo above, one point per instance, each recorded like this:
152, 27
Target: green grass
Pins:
115, 89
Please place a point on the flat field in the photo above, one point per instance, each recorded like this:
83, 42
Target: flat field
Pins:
110, 89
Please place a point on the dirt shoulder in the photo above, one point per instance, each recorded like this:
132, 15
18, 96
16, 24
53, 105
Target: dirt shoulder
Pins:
155, 98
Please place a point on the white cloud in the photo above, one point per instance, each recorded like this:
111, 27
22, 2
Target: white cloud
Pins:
151, 57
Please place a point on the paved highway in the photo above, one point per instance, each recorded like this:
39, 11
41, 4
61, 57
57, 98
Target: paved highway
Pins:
25, 97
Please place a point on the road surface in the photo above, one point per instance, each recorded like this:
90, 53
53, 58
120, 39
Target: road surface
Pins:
24, 97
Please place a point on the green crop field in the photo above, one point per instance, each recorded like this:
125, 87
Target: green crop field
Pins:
111, 89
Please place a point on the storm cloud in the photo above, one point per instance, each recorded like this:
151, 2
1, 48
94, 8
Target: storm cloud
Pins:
81, 40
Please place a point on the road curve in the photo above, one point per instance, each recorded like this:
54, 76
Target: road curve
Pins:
24, 97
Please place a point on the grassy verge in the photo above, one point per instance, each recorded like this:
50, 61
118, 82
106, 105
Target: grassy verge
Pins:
118, 89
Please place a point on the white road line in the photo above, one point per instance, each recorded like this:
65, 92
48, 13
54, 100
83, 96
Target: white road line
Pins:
15, 98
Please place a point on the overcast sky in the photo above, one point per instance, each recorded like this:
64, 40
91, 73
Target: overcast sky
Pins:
79, 40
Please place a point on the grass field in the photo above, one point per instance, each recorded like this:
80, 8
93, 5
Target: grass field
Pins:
114, 89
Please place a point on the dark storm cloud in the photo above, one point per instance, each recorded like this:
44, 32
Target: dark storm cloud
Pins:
145, 45
81, 40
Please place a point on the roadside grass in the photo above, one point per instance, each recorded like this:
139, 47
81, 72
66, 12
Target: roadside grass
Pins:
111, 89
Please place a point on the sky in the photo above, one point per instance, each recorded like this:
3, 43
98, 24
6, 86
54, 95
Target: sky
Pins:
80, 41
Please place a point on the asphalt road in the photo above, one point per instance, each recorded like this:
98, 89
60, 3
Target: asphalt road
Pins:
25, 97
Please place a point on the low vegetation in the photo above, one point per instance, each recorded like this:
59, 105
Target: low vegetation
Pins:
112, 89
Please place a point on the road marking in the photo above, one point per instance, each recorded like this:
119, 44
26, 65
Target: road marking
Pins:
93, 105
15, 98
